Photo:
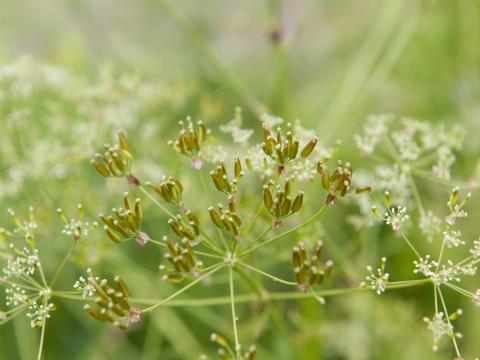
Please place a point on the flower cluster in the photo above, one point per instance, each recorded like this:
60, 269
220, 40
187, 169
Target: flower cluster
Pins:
39, 313
116, 161
395, 216
378, 280
308, 270
279, 202
76, 228
441, 326
112, 304
181, 259
87, 284
190, 141
125, 222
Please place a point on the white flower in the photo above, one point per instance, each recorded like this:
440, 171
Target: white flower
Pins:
396, 217
38, 313
270, 120
87, 285
234, 128
429, 225
452, 238
378, 280
475, 251
425, 266
373, 130
23, 264
439, 327
15, 296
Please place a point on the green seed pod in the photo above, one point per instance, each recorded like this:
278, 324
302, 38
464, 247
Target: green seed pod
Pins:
297, 203
309, 147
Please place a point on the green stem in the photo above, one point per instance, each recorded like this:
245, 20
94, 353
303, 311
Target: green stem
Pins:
279, 236
42, 338
452, 336
410, 244
234, 315
272, 277
185, 288
62, 264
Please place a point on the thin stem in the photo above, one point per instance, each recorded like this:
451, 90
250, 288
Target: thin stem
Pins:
42, 338
410, 244
416, 194
62, 264
271, 296
274, 278
155, 201
13, 314
452, 335
234, 315
260, 237
255, 217
460, 290
185, 288
279, 236
449, 183
20, 285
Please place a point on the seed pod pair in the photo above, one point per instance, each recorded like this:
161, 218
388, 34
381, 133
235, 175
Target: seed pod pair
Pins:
169, 189
190, 140
181, 259
284, 149
112, 304
279, 203
308, 270
125, 222
221, 180
188, 228
226, 219
116, 161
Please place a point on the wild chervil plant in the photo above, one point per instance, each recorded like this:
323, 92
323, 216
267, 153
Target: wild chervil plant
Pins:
223, 237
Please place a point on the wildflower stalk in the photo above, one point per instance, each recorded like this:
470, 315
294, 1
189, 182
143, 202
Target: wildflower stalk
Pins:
410, 244
234, 316
285, 233
197, 252
62, 265
213, 269
447, 316
272, 277
416, 194
42, 338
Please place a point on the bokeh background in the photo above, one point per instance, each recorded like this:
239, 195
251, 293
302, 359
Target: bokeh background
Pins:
83, 69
